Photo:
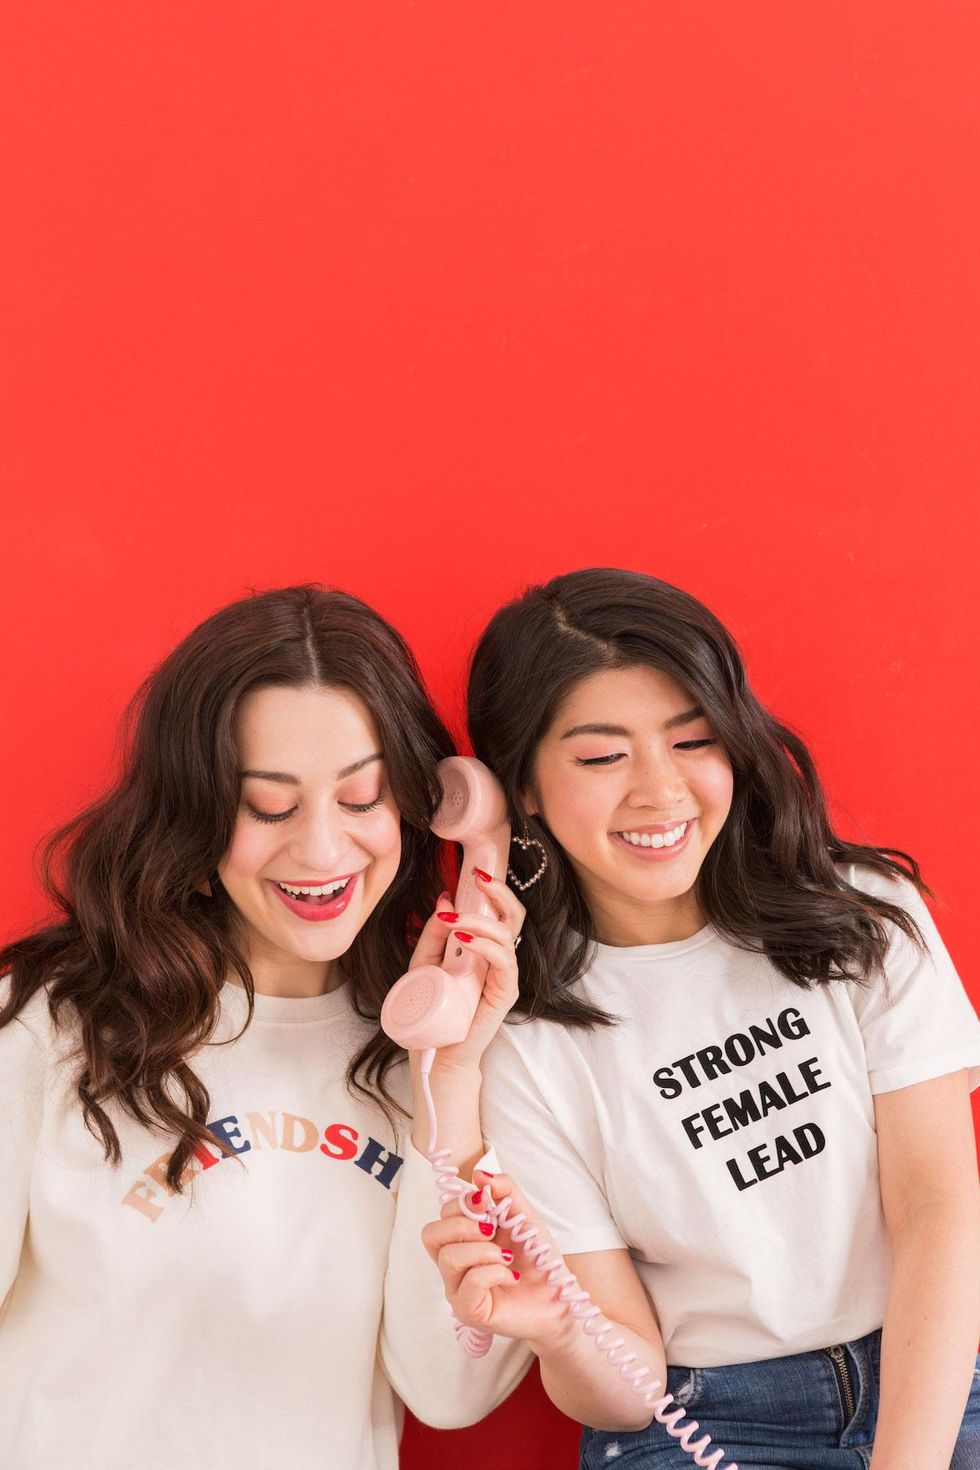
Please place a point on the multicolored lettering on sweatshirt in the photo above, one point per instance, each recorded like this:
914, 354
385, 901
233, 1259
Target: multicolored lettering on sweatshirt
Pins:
287, 1131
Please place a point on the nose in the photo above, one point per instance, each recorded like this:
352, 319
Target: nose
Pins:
320, 844
658, 784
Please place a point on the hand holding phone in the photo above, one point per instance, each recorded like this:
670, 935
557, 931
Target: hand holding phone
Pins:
434, 1005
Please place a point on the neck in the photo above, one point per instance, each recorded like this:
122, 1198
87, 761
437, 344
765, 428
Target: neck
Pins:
624, 922
290, 978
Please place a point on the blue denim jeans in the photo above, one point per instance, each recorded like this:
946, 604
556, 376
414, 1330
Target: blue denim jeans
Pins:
811, 1411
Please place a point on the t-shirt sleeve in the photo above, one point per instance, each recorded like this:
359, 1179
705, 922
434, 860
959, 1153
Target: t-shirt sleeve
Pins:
22, 1065
538, 1113
917, 1020
419, 1352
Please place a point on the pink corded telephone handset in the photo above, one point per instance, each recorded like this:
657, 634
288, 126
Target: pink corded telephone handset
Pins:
433, 1006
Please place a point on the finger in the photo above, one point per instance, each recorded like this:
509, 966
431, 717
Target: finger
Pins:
509, 908
500, 989
453, 1230
501, 1187
454, 1261
472, 1304
484, 925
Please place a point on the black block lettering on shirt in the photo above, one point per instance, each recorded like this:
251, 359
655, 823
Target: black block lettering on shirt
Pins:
667, 1083
809, 1071
765, 1036
792, 1024
693, 1127
739, 1049
709, 1062
766, 1160
683, 1064
713, 1064
743, 1109
373, 1154
728, 1115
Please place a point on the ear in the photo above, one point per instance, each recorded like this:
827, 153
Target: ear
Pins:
529, 801
204, 887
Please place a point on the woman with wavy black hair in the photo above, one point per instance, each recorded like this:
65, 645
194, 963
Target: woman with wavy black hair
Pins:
739, 1095
210, 1200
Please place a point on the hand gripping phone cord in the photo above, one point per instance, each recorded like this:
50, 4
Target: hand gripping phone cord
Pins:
433, 1006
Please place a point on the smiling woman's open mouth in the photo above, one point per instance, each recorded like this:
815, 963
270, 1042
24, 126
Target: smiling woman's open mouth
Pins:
316, 900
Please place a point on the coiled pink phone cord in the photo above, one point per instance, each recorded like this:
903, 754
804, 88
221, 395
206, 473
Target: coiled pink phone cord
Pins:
476, 1343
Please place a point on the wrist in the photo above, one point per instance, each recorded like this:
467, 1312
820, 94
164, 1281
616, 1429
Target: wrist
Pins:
554, 1342
447, 1076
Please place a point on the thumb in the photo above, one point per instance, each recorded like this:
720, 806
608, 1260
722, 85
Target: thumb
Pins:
502, 1186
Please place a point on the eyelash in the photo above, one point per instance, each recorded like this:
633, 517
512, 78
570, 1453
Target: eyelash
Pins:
608, 760
364, 806
359, 807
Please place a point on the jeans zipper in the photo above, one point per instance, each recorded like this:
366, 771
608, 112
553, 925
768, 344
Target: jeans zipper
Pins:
839, 1359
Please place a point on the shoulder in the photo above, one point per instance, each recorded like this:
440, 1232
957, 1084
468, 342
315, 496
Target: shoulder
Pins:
28, 1045
906, 953
543, 1062
894, 889
33, 1025
530, 1041
916, 1019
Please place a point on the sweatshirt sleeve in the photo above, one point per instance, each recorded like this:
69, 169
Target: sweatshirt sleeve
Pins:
419, 1353
22, 1065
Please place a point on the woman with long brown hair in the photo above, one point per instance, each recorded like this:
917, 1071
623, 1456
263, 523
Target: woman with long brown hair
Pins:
737, 1088
210, 1199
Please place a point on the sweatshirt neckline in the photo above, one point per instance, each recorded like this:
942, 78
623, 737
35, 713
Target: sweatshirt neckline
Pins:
673, 949
293, 1010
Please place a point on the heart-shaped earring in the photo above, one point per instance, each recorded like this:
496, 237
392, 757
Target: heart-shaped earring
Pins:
524, 843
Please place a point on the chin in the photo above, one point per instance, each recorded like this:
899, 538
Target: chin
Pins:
322, 952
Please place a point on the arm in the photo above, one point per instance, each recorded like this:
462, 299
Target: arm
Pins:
578, 1378
21, 1093
419, 1352
418, 1347
540, 1112
932, 1210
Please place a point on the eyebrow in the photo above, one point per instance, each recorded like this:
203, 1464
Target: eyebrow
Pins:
285, 779
686, 718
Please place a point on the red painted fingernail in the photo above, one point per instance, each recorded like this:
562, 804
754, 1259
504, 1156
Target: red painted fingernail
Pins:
449, 917
508, 1256
486, 1173
475, 1200
481, 874
486, 1228
466, 938
516, 1275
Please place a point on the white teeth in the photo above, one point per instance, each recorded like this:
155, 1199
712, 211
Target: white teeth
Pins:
323, 890
656, 839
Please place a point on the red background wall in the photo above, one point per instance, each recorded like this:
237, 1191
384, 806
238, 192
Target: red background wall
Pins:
430, 301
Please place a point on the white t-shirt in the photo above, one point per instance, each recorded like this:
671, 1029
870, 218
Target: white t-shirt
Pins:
265, 1318
724, 1131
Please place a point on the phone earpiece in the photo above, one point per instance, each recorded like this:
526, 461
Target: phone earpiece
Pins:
473, 800
434, 1005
